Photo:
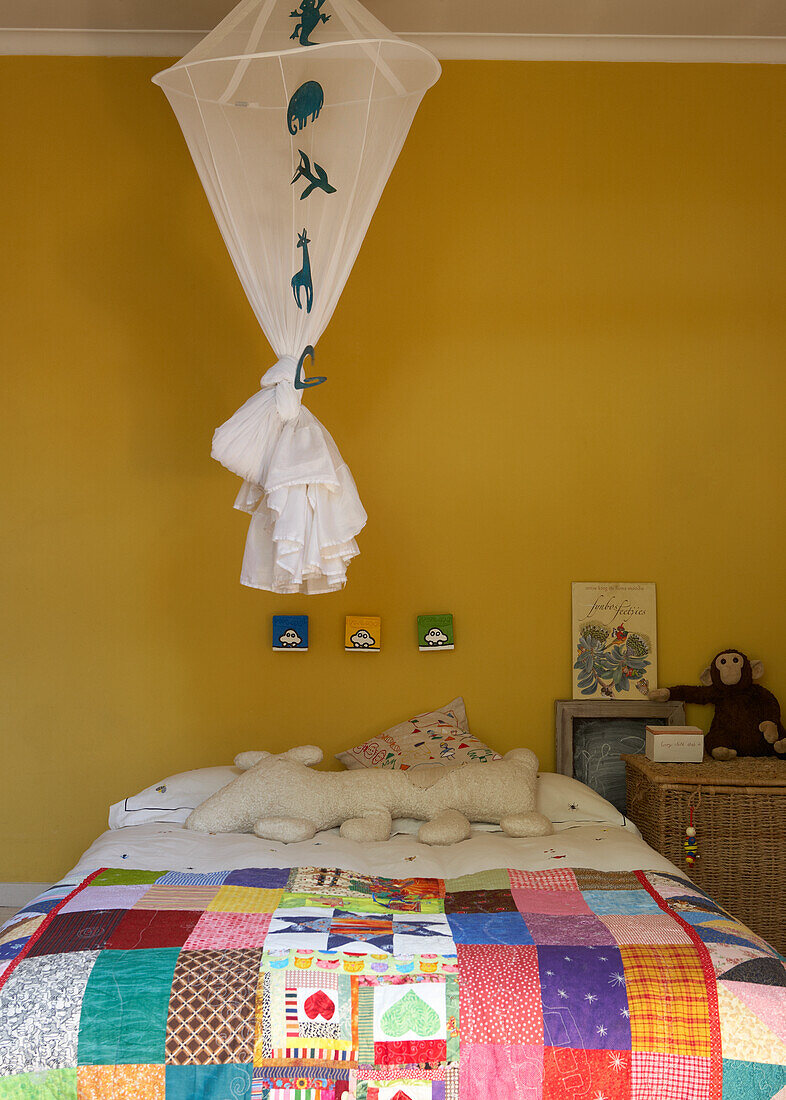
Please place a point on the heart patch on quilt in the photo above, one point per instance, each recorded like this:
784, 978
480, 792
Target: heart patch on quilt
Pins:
319, 1004
411, 1013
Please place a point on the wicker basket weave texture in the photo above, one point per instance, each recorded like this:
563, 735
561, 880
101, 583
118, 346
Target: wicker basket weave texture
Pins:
739, 813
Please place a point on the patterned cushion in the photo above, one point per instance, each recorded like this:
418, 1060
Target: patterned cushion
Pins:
439, 737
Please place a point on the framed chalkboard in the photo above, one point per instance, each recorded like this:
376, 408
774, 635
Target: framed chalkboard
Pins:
592, 734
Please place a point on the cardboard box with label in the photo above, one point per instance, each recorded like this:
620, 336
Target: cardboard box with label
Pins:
675, 743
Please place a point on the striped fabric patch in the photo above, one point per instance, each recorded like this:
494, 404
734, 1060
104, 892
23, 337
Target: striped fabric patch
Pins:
366, 1023
181, 878
183, 898
290, 1014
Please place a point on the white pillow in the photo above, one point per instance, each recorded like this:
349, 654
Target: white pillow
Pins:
564, 801
171, 799
438, 737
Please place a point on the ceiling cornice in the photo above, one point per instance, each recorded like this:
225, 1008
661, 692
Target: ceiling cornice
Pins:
743, 49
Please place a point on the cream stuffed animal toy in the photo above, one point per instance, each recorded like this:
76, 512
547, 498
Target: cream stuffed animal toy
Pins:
283, 798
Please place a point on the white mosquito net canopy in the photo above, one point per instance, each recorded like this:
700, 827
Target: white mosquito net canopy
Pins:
294, 112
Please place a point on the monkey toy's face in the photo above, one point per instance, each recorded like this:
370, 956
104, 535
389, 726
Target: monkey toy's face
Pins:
732, 669
730, 666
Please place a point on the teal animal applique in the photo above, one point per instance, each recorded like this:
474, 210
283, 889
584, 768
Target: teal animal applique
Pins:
302, 280
411, 1013
317, 178
305, 105
310, 15
302, 383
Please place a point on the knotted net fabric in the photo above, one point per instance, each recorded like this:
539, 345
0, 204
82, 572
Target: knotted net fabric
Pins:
295, 112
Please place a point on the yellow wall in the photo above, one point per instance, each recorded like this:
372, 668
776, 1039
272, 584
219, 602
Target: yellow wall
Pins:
559, 357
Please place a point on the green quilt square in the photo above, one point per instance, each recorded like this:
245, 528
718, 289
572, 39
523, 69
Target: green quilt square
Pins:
124, 1011
452, 1016
51, 1084
208, 1082
366, 1024
497, 879
746, 1080
119, 876
290, 900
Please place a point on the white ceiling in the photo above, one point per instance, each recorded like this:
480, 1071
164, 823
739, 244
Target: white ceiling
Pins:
701, 30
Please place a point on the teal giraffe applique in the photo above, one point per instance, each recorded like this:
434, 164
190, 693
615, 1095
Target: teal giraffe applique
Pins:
302, 279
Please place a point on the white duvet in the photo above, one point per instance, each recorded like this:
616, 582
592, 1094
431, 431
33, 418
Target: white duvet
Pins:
171, 847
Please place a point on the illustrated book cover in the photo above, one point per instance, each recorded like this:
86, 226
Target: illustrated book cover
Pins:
614, 640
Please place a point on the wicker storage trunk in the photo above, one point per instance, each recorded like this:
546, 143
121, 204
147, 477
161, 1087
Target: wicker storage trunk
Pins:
739, 812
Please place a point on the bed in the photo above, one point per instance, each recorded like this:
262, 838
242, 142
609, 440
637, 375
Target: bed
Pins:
170, 964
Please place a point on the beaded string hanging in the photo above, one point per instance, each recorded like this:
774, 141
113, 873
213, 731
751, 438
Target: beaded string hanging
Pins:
691, 844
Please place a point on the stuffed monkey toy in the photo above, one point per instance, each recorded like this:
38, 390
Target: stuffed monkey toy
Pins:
747, 719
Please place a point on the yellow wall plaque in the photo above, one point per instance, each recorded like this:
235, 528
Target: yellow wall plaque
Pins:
363, 634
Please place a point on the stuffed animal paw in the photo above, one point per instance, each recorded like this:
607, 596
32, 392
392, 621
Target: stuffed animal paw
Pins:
375, 825
531, 824
449, 827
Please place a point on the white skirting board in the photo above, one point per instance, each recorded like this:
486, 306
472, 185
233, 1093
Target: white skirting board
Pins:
17, 894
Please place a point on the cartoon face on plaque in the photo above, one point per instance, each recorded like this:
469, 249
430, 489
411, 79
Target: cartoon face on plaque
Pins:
290, 633
363, 634
435, 633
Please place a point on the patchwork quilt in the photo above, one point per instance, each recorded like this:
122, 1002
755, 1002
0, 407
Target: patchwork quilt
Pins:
323, 984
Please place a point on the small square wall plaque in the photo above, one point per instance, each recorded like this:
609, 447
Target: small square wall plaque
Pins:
435, 632
363, 634
290, 633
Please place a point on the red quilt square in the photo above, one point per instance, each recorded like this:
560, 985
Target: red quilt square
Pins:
555, 903
666, 1075
84, 931
573, 1072
562, 878
223, 931
410, 1052
499, 992
153, 928
498, 1071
